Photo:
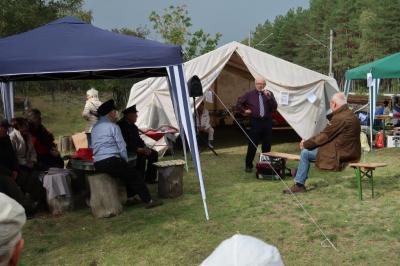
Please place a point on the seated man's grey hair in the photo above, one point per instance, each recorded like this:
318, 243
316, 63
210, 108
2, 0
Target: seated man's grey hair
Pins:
339, 98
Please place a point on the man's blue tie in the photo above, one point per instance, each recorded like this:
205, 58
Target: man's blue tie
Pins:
261, 103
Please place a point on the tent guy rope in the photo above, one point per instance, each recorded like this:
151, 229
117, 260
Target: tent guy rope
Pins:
294, 197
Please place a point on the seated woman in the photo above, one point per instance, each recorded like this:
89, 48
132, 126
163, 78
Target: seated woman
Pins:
43, 142
9, 171
28, 175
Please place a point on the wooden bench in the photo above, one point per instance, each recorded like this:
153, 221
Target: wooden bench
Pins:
365, 169
361, 169
285, 156
288, 156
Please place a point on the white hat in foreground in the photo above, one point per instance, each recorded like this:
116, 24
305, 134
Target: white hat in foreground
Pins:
243, 250
12, 219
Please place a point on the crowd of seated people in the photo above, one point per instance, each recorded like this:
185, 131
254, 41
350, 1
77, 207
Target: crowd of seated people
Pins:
28, 155
27, 152
9, 171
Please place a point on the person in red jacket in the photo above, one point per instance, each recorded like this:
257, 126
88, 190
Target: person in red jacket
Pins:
43, 141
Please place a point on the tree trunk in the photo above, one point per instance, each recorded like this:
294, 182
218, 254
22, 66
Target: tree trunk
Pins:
106, 195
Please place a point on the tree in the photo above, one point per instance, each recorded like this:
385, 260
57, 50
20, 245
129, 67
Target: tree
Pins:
174, 27
141, 32
361, 35
18, 16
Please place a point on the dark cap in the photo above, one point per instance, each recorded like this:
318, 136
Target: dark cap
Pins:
130, 109
4, 123
106, 107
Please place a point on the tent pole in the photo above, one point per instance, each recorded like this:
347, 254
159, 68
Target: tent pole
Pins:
371, 118
180, 91
7, 95
184, 147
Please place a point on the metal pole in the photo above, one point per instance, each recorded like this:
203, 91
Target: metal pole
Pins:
330, 52
250, 38
330, 49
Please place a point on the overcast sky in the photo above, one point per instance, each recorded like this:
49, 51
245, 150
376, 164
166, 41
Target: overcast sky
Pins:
234, 19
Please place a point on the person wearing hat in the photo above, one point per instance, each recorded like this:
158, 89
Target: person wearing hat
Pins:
136, 145
12, 219
111, 157
90, 110
9, 171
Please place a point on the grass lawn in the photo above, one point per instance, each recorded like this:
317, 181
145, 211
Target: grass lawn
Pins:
365, 232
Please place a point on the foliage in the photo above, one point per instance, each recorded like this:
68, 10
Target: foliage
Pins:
174, 27
141, 32
18, 16
365, 30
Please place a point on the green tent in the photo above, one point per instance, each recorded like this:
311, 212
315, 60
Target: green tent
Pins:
384, 68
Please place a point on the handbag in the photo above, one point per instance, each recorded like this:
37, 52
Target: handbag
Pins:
270, 168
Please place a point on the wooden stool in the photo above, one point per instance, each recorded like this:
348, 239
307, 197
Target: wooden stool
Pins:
170, 178
106, 195
365, 169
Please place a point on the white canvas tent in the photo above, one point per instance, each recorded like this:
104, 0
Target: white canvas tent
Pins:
229, 72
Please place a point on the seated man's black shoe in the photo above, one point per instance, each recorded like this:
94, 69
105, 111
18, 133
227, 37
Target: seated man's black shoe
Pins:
248, 170
153, 203
132, 201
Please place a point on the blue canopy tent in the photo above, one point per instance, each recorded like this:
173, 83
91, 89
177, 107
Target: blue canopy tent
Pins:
72, 49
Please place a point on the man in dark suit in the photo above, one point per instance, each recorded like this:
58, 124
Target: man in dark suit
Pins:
135, 144
258, 103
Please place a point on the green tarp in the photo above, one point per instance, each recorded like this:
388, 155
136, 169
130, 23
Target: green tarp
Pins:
384, 68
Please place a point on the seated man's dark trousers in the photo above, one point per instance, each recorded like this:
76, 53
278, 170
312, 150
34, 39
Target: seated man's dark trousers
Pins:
150, 172
261, 131
118, 168
9, 187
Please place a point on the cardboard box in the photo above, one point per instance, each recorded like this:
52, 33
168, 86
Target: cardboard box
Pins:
393, 141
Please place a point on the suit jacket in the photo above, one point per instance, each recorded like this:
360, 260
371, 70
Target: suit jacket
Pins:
130, 133
250, 100
339, 143
8, 159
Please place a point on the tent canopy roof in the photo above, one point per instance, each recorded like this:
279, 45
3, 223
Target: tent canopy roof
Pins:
70, 48
387, 67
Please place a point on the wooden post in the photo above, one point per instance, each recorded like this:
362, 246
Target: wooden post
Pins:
170, 178
358, 180
106, 195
